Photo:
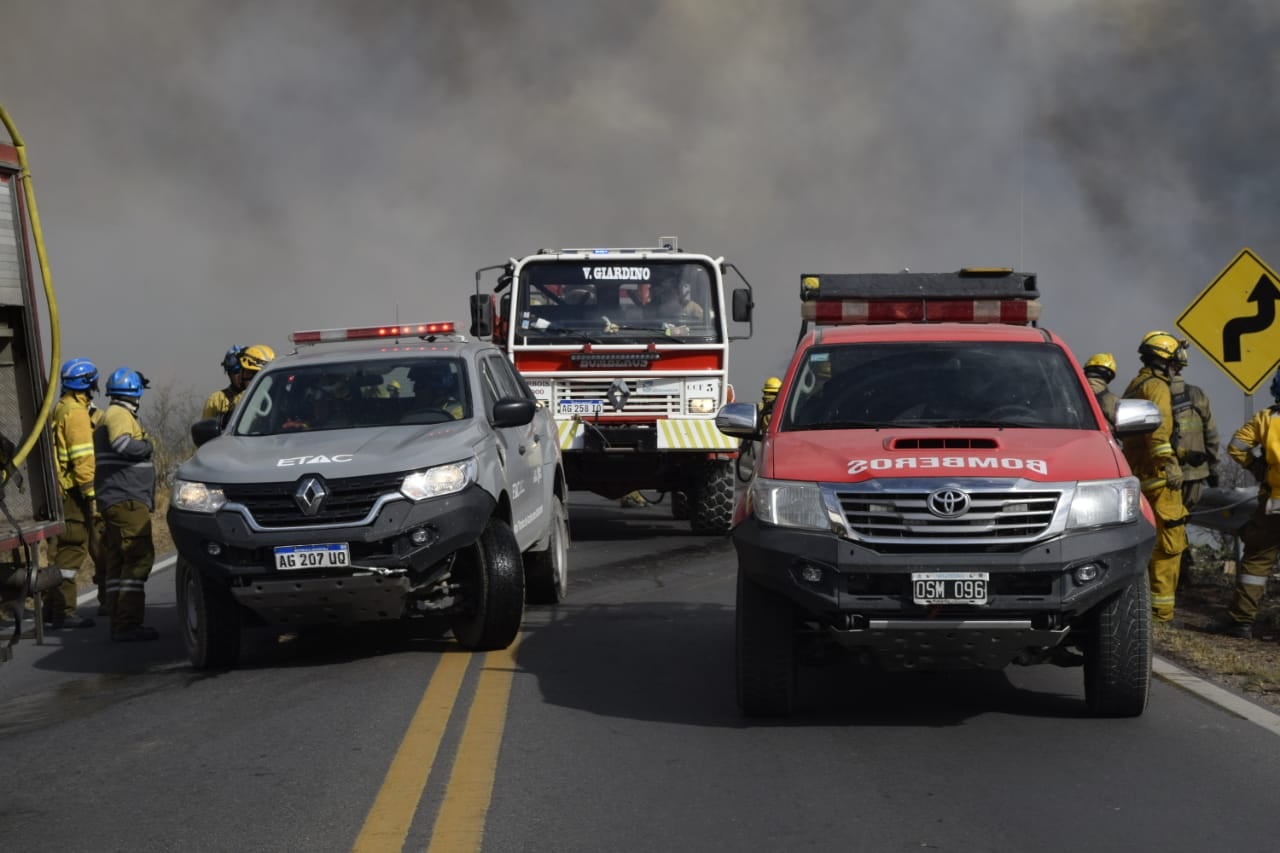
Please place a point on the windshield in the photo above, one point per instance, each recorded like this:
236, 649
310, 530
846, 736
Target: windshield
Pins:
354, 394
601, 301
937, 384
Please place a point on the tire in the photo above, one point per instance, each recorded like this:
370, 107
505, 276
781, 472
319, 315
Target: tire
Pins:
711, 505
680, 506
547, 572
211, 619
491, 575
745, 464
765, 654
1117, 653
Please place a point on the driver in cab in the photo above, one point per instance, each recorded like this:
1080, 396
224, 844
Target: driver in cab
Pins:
435, 386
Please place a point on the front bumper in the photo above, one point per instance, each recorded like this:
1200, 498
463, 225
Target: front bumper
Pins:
863, 597
385, 564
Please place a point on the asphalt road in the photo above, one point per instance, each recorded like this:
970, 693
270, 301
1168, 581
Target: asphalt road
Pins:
609, 727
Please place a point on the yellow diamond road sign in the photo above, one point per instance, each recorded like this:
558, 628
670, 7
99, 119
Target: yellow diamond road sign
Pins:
1234, 321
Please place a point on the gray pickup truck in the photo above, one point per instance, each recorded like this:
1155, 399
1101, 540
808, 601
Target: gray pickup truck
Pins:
403, 476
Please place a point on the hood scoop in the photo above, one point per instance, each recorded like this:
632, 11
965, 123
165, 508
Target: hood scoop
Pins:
948, 442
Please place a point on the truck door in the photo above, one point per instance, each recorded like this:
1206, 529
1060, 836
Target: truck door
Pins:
522, 451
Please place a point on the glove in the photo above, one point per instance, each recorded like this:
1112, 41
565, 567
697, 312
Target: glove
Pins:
1195, 458
1173, 474
1258, 468
1212, 479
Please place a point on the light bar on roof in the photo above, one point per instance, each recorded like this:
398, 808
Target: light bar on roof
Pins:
834, 312
365, 333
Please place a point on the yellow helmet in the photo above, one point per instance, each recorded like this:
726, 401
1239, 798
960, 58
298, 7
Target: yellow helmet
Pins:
1159, 345
771, 386
1101, 364
254, 358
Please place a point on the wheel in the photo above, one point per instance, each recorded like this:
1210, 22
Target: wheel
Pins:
711, 505
745, 465
547, 572
1117, 653
680, 506
491, 576
766, 651
210, 619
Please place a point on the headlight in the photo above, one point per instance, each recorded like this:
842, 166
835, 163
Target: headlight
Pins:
789, 503
702, 405
440, 480
1102, 502
196, 497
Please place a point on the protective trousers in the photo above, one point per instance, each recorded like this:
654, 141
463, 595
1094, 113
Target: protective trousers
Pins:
80, 536
1166, 557
129, 553
1261, 538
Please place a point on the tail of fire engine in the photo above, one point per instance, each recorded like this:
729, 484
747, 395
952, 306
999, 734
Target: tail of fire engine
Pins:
629, 349
30, 507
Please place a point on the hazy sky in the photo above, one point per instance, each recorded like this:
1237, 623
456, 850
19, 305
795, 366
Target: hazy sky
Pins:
213, 173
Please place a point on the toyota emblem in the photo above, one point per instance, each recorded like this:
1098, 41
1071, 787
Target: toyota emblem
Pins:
310, 495
948, 503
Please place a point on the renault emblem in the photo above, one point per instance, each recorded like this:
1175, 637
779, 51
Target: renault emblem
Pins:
310, 495
948, 503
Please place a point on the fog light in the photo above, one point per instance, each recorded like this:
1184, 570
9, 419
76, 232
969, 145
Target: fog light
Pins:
213, 548
811, 574
418, 536
1084, 574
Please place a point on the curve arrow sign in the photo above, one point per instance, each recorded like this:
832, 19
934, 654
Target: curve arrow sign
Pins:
1266, 295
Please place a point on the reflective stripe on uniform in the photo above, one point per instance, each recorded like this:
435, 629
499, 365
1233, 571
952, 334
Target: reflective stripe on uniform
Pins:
1154, 483
1252, 580
1240, 445
1164, 449
75, 451
1162, 599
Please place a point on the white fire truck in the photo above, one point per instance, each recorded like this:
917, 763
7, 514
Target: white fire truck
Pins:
629, 349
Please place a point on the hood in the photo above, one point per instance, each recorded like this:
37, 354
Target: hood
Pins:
332, 453
850, 456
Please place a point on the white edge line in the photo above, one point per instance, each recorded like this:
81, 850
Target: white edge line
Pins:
157, 567
1214, 694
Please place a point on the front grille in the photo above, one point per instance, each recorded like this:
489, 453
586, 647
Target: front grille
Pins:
904, 516
641, 401
349, 500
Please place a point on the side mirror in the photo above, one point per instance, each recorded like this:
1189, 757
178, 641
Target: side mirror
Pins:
1135, 417
742, 305
512, 412
738, 420
205, 431
481, 315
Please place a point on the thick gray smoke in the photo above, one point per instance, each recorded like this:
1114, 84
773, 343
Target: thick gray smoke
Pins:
222, 172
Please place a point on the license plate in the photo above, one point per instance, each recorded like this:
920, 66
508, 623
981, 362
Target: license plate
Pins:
312, 557
579, 407
949, 587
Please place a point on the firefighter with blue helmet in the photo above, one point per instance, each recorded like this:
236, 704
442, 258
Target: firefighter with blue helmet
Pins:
1154, 461
1256, 446
223, 400
126, 484
72, 427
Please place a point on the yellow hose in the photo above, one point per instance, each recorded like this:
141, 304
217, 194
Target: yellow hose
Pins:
37, 235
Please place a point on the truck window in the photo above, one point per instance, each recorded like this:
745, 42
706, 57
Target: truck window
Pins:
616, 301
995, 384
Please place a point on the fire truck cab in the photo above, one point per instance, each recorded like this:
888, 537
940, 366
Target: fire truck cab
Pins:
629, 350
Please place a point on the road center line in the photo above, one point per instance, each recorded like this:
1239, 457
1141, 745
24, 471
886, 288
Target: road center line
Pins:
389, 819
459, 826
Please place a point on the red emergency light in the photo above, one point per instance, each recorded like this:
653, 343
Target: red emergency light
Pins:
364, 333
855, 311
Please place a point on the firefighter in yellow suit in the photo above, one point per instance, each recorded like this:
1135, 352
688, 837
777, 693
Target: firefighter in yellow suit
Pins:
1155, 464
241, 365
72, 426
126, 485
1256, 446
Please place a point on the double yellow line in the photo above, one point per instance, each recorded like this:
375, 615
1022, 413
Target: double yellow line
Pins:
459, 826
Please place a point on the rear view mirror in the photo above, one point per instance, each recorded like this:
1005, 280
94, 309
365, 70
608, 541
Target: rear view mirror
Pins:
1135, 417
513, 412
481, 315
742, 305
739, 420
205, 431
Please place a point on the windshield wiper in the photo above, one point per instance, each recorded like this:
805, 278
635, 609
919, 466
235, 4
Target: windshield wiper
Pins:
575, 334
844, 425
966, 422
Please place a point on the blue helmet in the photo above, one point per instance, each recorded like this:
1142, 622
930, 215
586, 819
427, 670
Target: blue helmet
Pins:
79, 374
231, 361
126, 383
1275, 387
